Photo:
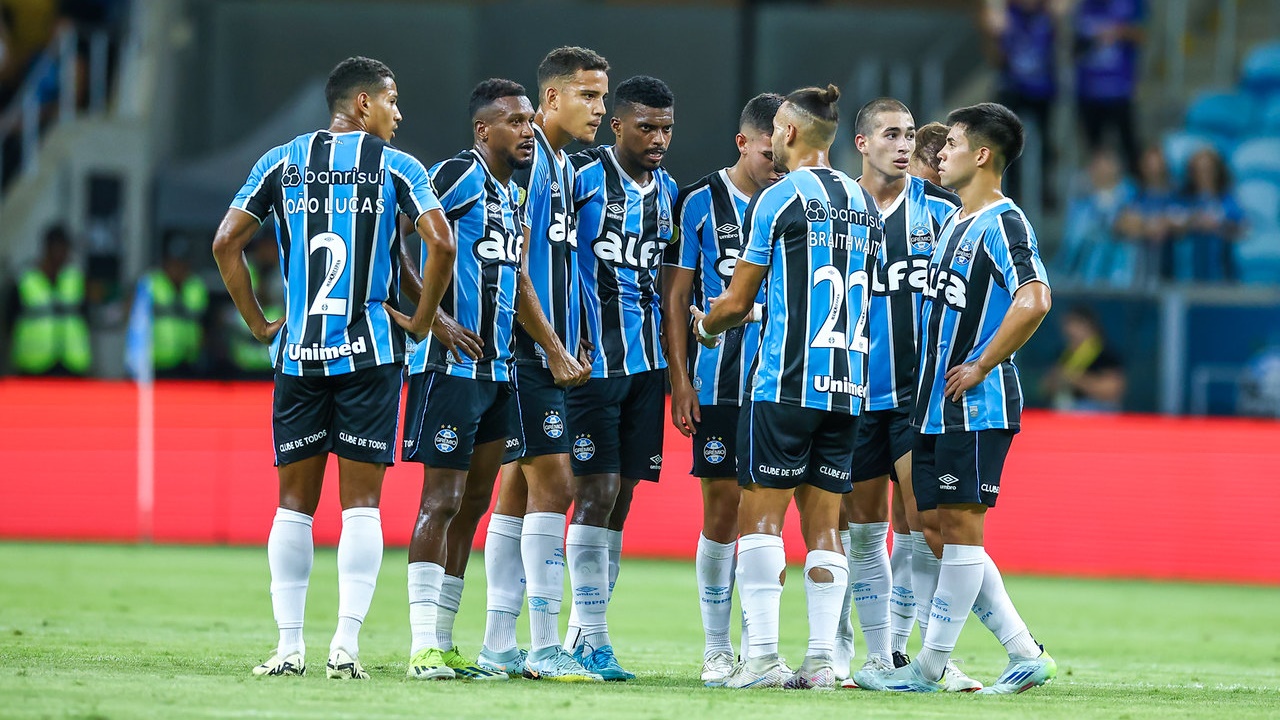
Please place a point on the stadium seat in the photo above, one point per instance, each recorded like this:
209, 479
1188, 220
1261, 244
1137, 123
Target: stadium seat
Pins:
1257, 158
1261, 70
1260, 201
1221, 113
1180, 146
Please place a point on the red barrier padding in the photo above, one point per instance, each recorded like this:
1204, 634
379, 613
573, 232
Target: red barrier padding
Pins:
1090, 495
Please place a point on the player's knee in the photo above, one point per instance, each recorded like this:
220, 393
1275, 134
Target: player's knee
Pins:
821, 575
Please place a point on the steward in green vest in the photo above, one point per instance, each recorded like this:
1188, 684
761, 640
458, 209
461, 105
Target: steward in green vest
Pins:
178, 304
250, 357
50, 335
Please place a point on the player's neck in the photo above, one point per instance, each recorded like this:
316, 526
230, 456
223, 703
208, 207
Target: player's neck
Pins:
557, 137
344, 123
883, 189
979, 193
500, 171
633, 169
802, 157
741, 179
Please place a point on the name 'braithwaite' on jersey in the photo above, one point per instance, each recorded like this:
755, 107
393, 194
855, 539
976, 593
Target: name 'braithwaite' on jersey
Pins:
335, 198
818, 232
485, 219
980, 262
623, 228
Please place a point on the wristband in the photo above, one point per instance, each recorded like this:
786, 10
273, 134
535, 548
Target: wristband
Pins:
703, 334
757, 313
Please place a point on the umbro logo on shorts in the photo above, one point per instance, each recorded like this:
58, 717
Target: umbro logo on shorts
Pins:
655, 462
948, 482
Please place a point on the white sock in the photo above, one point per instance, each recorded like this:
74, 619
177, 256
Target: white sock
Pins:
714, 568
425, 580
448, 604
761, 560
290, 552
902, 604
844, 628
587, 550
504, 571
823, 599
869, 572
359, 558
994, 608
959, 580
615, 558
542, 547
924, 578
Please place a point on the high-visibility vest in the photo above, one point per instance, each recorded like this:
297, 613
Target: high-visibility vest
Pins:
50, 329
247, 353
176, 331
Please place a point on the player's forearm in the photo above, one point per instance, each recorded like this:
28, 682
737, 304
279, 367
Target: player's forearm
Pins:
1030, 305
675, 319
228, 251
730, 310
410, 280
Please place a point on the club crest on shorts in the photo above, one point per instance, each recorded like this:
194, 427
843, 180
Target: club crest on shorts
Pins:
553, 425
715, 451
583, 448
446, 439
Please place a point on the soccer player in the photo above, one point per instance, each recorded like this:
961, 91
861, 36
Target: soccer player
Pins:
924, 159
698, 266
913, 211
986, 294
520, 547
339, 348
813, 237
461, 410
625, 202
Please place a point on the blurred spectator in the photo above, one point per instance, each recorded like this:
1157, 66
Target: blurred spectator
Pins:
1150, 222
1090, 249
1022, 45
1107, 36
246, 357
50, 335
179, 301
924, 159
1088, 377
1206, 250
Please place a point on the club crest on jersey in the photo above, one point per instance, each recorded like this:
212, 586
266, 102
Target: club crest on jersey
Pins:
922, 238
583, 448
664, 222
715, 451
964, 253
553, 425
697, 384
291, 177
446, 439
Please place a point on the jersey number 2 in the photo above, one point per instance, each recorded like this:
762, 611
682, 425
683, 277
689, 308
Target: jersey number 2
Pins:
336, 261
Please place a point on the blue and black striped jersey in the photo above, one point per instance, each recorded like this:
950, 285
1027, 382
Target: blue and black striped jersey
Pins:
335, 198
626, 228
979, 263
709, 240
552, 263
911, 227
818, 232
485, 218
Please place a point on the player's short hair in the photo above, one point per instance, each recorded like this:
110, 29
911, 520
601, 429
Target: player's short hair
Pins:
563, 62
994, 126
642, 90
491, 90
865, 122
929, 141
757, 115
352, 76
819, 106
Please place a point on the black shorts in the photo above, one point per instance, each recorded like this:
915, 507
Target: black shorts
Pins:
715, 444
353, 415
883, 437
541, 413
958, 468
447, 416
785, 446
618, 424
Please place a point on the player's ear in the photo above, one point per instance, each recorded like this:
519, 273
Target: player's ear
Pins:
362, 103
792, 133
481, 129
551, 96
741, 140
982, 158
616, 126
860, 142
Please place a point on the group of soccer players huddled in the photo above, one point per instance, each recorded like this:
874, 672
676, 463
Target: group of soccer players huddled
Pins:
825, 339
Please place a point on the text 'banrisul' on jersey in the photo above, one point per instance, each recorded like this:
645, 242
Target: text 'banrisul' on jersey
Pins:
623, 229
980, 262
911, 226
335, 198
485, 219
818, 232
709, 241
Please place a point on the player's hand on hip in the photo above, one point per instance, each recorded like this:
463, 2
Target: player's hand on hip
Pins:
460, 341
407, 322
267, 332
962, 378
685, 410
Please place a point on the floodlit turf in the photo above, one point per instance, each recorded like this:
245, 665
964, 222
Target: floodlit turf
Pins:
171, 632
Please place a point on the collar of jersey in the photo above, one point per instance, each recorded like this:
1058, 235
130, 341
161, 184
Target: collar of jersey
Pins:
559, 159
484, 166
902, 196
642, 189
983, 209
733, 189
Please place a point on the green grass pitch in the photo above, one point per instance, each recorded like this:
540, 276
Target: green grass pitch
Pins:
92, 631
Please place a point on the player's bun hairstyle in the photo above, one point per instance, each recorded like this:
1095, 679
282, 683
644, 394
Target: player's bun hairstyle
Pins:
818, 105
994, 126
865, 123
490, 90
929, 140
643, 90
563, 62
758, 114
353, 76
